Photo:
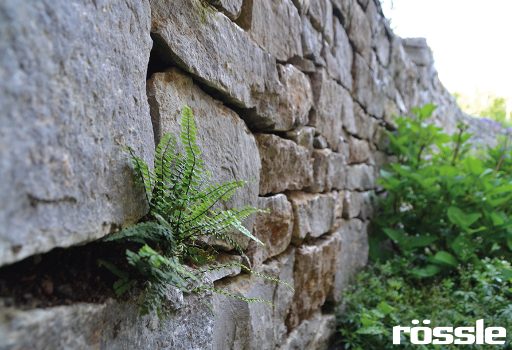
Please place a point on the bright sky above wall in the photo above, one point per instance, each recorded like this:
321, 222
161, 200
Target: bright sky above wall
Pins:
471, 40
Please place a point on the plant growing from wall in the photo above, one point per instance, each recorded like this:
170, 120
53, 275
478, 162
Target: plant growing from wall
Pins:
184, 212
445, 204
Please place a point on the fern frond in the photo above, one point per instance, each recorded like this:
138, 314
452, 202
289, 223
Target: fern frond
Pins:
144, 174
142, 232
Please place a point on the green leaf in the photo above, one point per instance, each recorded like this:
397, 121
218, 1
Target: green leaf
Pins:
385, 308
444, 258
458, 217
426, 272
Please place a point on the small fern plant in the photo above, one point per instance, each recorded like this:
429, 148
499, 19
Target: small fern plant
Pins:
184, 212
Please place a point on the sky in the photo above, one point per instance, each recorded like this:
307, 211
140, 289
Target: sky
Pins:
471, 40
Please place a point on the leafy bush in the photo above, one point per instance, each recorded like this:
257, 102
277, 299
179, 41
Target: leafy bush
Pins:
184, 212
380, 299
445, 203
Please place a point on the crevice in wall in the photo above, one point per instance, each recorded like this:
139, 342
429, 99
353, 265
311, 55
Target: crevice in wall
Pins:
62, 276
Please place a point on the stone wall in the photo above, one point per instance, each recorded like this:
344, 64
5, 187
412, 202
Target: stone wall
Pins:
294, 96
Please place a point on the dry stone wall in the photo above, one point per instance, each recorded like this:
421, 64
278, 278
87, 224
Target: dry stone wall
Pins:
292, 95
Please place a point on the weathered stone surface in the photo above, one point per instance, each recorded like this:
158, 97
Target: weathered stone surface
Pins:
296, 100
230, 8
366, 89
246, 326
362, 125
358, 205
72, 96
359, 151
229, 149
314, 214
338, 208
275, 25
338, 57
352, 257
218, 56
331, 100
312, 334
361, 177
359, 32
319, 142
274, 228
418, 51
311, 41
303, 136
328, 171
285, 165
108, 326
313, 277
320, 12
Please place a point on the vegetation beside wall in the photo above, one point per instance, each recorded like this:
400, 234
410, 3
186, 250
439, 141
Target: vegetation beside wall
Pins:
442, 238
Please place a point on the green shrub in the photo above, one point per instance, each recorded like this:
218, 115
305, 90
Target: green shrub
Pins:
380, 299
445, 203
184, 212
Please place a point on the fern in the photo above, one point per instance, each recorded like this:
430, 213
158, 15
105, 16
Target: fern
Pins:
183, 213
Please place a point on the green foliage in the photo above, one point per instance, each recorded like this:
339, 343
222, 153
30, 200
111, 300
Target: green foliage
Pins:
184, 212
445, 204
380, 299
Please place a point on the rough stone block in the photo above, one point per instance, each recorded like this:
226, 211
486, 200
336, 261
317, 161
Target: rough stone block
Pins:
72, 92
228, 148
252, 326
320, 12
328, 171
222, 56
359, 32
285, 165
311, 41
361, 177
418, 51
275, 25
303, 136
359, 151
331, 101
366, 88
296, 100
313, 277
112, 325
313, 333
314, 214
352, 256
274, 228
231, 8
338, 57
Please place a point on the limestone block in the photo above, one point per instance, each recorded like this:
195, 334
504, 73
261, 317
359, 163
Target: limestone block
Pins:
314, 214
418, 51
361, 177
72, 94
285, 165
352, 257
274, 228
253, 326
312, 334
228, 148
230, 8
359, 151
311, 41
111, 325
366, 88
362, 125
313, 277
328, 171
275, 25
320, 12
319, 142
222, 56
358, 205
359, 32
296, 99
331, 101
338, 56
303, 136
